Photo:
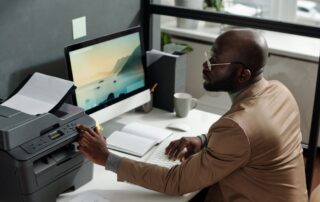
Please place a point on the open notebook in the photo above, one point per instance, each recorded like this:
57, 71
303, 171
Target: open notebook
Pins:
136, 138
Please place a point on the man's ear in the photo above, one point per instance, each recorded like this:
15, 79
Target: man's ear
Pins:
244, 76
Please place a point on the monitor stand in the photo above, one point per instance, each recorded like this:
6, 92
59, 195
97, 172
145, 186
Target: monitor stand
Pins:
121, 107
109, 127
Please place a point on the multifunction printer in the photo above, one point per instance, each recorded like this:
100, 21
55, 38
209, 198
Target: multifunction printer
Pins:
38, 154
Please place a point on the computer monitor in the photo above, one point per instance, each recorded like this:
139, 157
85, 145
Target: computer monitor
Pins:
109, 73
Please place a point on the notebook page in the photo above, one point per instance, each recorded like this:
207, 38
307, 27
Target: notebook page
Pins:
129, 143
148, 131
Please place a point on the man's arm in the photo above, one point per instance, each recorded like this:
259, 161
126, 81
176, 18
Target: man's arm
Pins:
228, 149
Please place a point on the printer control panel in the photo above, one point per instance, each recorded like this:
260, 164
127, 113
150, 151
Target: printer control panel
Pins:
47, 139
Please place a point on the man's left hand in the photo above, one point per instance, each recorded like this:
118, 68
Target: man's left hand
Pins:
93, 145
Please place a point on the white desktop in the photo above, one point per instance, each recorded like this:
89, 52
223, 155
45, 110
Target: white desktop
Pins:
105, 184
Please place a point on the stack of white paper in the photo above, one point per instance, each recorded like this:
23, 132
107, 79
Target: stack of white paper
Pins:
40, 94
89, 197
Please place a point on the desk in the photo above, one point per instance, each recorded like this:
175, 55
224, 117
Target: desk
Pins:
105, 184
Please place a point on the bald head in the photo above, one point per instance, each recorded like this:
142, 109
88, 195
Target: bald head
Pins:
245, 46
238, 59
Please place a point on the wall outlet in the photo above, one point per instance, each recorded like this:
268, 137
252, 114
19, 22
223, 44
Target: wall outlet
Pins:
79, 27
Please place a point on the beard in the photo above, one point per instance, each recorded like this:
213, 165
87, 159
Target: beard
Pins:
224, 84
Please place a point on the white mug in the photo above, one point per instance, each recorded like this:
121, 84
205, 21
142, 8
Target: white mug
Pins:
183, 103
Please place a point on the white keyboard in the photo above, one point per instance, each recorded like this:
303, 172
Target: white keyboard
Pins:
159, 158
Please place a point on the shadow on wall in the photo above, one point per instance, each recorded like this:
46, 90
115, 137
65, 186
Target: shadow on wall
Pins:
54, 68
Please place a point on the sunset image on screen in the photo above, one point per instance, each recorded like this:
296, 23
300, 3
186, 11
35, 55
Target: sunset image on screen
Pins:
105, 71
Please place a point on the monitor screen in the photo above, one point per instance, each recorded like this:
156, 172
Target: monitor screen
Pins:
107, 69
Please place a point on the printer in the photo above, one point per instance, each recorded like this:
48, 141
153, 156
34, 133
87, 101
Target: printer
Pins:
38, 154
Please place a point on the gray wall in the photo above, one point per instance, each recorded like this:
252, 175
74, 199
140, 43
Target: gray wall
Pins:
33, 33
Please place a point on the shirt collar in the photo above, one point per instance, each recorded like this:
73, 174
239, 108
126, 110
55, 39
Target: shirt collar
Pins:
251, 90
234, 95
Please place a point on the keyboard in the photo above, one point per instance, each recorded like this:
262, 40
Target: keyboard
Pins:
159, 158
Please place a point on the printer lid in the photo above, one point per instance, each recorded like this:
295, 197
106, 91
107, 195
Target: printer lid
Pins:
9, 118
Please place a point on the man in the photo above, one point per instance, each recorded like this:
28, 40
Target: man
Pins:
252, 153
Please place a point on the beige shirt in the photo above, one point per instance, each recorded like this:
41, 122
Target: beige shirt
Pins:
253, 153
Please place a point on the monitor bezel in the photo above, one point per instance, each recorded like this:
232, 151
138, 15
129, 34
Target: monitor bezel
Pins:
101, 39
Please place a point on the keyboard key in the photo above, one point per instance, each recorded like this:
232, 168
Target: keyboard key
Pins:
158, 156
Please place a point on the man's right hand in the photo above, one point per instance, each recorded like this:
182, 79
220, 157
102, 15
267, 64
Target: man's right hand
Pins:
183, 148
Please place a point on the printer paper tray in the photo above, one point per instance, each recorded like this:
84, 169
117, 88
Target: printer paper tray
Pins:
56, 164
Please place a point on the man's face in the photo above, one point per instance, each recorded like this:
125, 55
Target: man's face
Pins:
219, 77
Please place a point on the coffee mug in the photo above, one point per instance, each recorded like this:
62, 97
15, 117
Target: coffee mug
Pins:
183, 103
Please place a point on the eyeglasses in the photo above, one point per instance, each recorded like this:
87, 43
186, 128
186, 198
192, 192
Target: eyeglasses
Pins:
218, 64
